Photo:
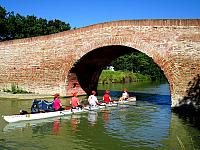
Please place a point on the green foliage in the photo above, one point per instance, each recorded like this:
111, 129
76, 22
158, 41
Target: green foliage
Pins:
3, 14
15, 90
121, 77
16, 26
138, 62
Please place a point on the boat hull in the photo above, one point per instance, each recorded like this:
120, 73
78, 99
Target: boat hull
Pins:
27, 117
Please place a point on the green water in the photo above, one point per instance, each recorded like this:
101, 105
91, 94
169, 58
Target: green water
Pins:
147, 125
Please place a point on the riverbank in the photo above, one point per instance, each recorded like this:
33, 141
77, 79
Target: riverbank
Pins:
108, 76
23, 96
27, 96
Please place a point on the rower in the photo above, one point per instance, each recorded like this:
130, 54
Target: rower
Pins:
106, 97
75, 102
125, 95
57, 102
92, 100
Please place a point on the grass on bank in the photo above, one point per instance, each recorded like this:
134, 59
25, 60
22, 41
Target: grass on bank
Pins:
108, 76
15, 89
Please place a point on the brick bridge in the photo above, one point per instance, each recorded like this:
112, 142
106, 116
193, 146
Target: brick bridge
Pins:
58, 62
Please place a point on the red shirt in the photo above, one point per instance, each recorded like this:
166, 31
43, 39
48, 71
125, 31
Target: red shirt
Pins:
106, 98
74, 101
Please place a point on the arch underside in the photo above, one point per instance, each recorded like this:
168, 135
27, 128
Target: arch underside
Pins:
90, 66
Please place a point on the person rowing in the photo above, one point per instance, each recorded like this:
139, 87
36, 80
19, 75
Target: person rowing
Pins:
125, 95
106, 97
57, 105
92, 99
75, 102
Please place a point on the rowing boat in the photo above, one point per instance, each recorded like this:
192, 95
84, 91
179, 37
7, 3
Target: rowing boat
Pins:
130, 99
93, 108
35, 116
111, 104
43, 115
32, 123
100, 106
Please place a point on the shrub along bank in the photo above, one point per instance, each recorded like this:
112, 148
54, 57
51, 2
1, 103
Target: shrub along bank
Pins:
108, 76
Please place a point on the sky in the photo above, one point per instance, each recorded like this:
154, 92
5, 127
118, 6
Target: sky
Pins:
81, 13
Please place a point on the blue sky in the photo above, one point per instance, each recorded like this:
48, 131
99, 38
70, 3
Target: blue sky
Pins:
80, 13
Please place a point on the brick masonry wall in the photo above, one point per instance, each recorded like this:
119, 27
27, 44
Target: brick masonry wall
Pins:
42, 64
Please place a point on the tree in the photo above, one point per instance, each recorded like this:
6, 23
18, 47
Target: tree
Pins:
16, 26
3, 15
138, 62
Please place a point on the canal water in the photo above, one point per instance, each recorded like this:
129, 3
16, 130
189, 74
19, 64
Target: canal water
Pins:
148, 124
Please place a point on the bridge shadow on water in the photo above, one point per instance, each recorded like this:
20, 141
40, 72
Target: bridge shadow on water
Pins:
187, 111
156, 99
190, 106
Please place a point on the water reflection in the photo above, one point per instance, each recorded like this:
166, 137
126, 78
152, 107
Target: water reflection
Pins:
142, 125
161, 88
106, 116
144, 122
34, 123
75, 120
182, 135
92, 117
147, 124
56, 127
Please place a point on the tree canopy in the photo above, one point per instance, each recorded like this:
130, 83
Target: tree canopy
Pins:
16, 26
138, 62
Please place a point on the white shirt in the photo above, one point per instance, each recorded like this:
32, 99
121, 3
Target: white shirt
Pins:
92, 100
125, 95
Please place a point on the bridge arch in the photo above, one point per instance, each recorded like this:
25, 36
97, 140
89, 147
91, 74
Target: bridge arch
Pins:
89, 67
41, 64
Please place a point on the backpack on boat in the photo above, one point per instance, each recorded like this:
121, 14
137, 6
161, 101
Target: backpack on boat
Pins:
41, 105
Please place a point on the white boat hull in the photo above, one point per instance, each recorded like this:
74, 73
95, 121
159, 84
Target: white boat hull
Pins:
92, 108
27, 117
101, 106
109, 104
77, 110
130, 99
